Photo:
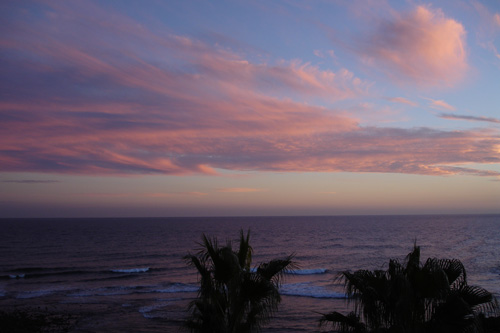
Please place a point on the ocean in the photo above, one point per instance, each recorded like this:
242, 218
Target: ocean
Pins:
129, 275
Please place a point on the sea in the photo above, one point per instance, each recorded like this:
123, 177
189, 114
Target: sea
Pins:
130, 275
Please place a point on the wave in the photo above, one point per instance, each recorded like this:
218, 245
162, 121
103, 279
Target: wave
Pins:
106, 291
312, 271
178, 288
308, 289
153, 311
17, 276
131, 270
128, 290
168, 288
36, 293
37, 272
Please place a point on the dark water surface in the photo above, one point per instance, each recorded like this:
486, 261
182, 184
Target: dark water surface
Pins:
128, 275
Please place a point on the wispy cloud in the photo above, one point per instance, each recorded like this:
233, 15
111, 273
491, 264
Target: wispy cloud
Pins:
402, 100
139, 195
488, 28
172, 194
241, 190
30, 181
469, 118
422, 46
103, 195
440, 104
475, 172
324, 54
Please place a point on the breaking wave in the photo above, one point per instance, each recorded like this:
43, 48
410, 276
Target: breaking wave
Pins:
308, 289
131, 270
312, 271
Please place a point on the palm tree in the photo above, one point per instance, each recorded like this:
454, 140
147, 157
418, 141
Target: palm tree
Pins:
411, 297
233, 296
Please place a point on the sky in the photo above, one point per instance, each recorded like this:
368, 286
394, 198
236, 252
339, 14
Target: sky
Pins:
228, 108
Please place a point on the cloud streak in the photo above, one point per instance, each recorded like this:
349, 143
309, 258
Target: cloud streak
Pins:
30, 181
241, 190
489, 27
440, 104
453, 116
402, 100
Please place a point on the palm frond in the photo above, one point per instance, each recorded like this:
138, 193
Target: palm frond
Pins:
232, 298
274, 270
479, 299
413, 258
454, 269
246, 251
411, 297
342, 323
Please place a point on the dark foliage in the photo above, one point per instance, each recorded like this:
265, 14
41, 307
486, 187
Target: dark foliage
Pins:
415, 297
33, 321
234, 296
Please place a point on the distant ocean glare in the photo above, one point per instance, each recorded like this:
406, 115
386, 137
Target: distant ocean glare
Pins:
128, 274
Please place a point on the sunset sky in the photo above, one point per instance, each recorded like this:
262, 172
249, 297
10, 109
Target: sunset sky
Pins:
213, 108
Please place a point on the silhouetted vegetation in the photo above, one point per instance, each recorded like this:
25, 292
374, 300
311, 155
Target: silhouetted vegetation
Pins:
233, 296
33, 321
411, 297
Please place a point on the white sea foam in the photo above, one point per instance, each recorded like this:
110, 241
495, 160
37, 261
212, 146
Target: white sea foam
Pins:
312, 271
17, 276
127, 290
308, 289
131, 270
34, 293
178, 288
108, 291
150, 311
83, 293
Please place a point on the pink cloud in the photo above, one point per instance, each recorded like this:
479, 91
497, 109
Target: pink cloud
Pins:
296, 76
402, 100
30, 181
423, 46
175, 105
168, 195
440, 104
469, 118
103, 195
241, 190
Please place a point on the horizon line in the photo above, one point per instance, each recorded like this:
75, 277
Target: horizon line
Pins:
247, 216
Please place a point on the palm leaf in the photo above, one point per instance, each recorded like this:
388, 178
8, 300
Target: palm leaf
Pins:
276, 269
479, 299
413, 259
349, 323
455, 271
232, 298
245, 252
409, 297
